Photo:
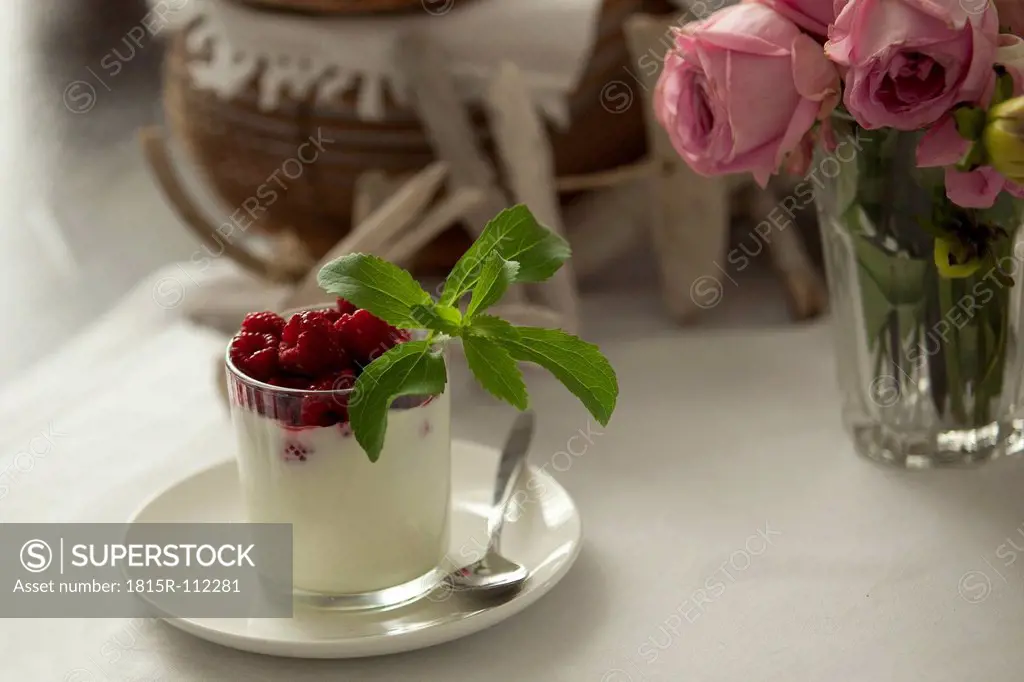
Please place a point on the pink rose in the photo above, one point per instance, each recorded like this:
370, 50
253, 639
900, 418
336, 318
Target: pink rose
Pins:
741, 90
978, 189
942, 145
910, 61
814, 16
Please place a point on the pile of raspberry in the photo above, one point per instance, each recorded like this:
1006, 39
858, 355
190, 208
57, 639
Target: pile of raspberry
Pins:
315, 350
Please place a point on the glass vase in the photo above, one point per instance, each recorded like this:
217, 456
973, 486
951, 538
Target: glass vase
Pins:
928, 357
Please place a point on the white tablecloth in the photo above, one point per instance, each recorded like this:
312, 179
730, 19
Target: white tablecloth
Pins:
731, 533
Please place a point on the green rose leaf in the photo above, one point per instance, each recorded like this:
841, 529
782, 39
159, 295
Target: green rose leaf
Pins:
496, 371
495, 278
374, 284
1005, 212
515, 235
412, 368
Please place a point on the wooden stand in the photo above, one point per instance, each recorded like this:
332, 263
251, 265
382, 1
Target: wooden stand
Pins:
524, 150
691, 229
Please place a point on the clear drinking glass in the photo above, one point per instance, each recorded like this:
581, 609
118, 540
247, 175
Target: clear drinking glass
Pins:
929, 365
365, 534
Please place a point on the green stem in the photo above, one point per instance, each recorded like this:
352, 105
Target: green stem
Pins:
981, 397
936, 363
990, 384
952, 353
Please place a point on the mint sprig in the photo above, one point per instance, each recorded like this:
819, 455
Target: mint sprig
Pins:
513, 248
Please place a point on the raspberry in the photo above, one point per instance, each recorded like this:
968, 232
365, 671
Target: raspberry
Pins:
366, 337
307, 320
319, 413
263, 323
345, 308
309, 345
331, 409
344, 380
255, 355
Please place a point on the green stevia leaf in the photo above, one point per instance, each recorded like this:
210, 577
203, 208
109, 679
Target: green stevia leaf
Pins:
438, 317
495, 278
513, 248
374, 284
496, 371
413, 368
579, 365
492, 327
515, 235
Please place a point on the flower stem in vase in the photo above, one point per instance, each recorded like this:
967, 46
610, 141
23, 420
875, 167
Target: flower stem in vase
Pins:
992, 323
934, 350
952, 352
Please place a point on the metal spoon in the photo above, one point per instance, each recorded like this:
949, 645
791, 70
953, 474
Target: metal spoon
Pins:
494, 573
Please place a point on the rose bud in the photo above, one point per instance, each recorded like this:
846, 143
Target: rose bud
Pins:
1004, 138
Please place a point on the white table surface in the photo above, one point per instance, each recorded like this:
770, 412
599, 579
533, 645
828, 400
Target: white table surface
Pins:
719, 436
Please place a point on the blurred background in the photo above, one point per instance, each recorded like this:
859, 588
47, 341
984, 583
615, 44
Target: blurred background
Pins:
84, 220
80, 218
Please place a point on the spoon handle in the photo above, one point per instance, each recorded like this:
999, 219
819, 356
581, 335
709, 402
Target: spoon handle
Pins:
513, 458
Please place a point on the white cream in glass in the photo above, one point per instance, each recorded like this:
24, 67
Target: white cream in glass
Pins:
365, 534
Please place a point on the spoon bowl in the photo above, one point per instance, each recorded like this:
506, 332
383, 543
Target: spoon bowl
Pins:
494, 573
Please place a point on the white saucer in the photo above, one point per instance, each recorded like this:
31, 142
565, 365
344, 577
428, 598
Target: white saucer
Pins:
545, 539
